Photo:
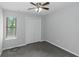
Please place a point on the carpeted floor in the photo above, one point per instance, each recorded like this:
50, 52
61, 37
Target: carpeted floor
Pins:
39, 49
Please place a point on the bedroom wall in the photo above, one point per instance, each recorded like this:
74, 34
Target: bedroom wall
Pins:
32, 28
20, 37
28, 29
43, 24
62, 28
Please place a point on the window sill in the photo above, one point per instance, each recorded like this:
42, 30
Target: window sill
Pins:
10, 38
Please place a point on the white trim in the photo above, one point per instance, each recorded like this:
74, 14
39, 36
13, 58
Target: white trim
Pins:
14, 47
42, 40
0, 53
63, 48
10, 38
21, 45
33, 42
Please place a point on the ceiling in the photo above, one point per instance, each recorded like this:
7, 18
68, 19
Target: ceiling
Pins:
23, 6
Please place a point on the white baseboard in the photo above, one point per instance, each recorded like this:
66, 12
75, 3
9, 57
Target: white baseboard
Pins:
13, 47
21, 45
63, 48
42, 40
0, 53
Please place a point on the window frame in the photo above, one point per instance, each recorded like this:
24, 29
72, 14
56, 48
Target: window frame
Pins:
10, 27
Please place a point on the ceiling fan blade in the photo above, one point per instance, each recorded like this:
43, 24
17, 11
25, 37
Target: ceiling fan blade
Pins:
33, 3
45, 8
45, 4
30, 8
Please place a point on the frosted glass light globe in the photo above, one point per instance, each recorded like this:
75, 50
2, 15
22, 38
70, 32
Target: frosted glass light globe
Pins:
38, 9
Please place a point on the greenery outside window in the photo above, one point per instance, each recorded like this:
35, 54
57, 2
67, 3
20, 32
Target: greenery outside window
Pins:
10, 26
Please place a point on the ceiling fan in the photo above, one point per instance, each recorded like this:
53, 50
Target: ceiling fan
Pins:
39, 6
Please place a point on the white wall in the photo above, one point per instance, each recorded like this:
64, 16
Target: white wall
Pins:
20, 37
1, 29
62, 28
28, 29
32, 28
43, 24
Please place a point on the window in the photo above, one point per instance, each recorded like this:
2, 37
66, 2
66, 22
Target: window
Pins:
10, 26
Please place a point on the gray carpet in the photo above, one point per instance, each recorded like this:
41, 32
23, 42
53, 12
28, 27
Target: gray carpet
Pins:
39, 49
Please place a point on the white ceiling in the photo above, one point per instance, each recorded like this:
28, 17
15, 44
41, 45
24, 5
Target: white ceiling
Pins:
23, 6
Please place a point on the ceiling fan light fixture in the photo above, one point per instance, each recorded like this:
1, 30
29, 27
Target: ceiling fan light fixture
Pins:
38, 10
39, 6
